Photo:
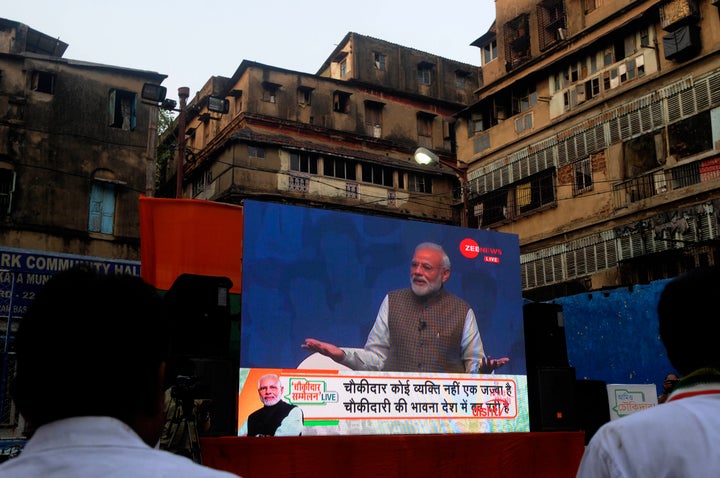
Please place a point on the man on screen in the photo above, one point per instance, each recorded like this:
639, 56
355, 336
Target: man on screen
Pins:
276, 417
422, 328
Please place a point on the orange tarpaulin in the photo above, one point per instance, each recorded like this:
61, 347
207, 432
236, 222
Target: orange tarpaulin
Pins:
190, 236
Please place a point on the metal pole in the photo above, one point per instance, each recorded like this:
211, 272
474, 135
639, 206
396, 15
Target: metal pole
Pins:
151, 152
465, 219
183, 94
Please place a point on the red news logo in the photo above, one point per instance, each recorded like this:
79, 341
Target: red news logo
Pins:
471, 249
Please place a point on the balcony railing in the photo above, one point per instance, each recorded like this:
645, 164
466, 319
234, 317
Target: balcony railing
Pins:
661, 181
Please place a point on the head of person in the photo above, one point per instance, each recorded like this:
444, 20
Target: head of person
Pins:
93, 345
689, 325
670, 380
429, 269
270, 389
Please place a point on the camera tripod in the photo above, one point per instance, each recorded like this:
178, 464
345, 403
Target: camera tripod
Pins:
184, 438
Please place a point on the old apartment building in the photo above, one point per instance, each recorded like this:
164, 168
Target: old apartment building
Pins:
74, 148
595, 139
74, 157
343, 137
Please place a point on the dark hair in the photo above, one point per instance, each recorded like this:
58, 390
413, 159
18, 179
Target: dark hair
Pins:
90, 344
689, 323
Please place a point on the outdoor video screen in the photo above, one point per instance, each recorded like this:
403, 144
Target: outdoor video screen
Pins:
314, 273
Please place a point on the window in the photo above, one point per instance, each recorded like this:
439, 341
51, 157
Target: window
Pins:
590, 5
304, 163
270, 91
7, 188
520, 198
461, 79
592, 88
379, 61
339, 168
202, 182
341, 102
122, 109
551, 22
237, 100
256, 152
373, 118
376, 174
583, 176
523, 99
477, 124
489, 52
424, 71
517, 41
43, 82
523, 123
343, 67
102, 207
304, 95
419, 183
691, 136
425, 129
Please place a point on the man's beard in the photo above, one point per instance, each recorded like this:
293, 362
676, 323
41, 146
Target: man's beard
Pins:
269, 402
426, 288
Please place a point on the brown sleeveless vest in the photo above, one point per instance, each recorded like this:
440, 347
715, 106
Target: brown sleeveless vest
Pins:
425, 333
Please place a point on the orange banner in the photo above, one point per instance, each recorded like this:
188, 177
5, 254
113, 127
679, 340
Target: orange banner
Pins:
190, 236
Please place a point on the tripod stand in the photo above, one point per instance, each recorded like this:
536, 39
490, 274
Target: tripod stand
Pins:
182, 433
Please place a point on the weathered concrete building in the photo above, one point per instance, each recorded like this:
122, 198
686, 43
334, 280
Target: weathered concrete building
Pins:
75, 153
74, 148
341, 138
595, 139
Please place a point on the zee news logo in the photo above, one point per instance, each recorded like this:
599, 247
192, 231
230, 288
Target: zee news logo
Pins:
470, 249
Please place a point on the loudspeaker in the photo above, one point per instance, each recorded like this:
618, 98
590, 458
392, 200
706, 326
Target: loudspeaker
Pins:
219, 378
592, 407
545, 344
551, 397
199, 308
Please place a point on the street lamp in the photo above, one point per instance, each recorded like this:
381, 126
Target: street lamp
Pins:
426, 157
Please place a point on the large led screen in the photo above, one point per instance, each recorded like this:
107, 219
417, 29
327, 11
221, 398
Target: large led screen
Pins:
314, 273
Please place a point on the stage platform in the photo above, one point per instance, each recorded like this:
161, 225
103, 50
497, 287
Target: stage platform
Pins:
491, 455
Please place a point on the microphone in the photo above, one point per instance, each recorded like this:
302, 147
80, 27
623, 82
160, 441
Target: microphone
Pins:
422, 326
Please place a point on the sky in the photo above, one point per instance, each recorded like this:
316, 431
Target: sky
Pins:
191, 41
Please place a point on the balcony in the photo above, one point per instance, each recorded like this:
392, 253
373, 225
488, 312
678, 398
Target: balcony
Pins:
675, 13
661, 181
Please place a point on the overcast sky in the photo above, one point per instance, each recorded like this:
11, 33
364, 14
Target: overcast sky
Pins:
190, 41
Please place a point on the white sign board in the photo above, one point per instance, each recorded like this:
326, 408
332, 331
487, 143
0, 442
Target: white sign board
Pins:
627, 398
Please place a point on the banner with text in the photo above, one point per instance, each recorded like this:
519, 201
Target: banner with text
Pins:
349, 402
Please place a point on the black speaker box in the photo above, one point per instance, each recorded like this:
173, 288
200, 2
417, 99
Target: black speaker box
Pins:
591, 405
222, 378
551, 397
199, 308
545, 344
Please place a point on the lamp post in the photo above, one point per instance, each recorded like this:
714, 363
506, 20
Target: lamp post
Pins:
183, 94
425, 156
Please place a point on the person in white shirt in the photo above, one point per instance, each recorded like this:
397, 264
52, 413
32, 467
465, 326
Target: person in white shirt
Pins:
678, 438
91, 354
